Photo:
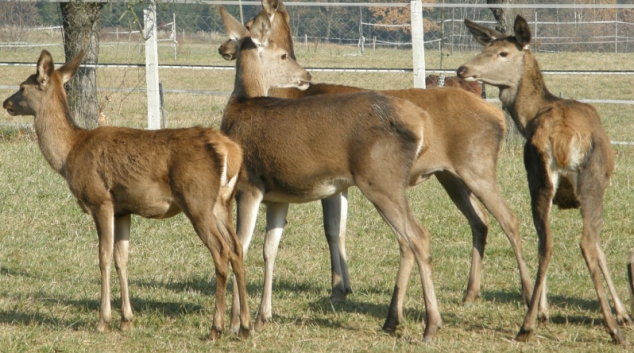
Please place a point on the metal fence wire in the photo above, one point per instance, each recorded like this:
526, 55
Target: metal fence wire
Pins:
352, 43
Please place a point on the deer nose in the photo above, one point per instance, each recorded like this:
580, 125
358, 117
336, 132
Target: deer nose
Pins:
462, 71
7, 104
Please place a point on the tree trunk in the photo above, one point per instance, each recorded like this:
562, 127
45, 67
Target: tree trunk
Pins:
504, 18
81, 26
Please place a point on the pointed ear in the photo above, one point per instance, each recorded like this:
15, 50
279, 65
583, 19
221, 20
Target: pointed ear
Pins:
270, 6
484, 35
261, 30
45, 67
70, 68
522, 32
235, 30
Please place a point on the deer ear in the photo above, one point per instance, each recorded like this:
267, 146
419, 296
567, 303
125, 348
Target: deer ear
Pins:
271, 6
45, 67
235, 29
261, 30
483, 35
68, 70
522, 32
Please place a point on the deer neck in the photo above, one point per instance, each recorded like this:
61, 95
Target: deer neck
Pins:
250, 78
55, 130
529, 96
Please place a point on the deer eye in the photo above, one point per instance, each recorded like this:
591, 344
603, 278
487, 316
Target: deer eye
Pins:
504, 54
284, 56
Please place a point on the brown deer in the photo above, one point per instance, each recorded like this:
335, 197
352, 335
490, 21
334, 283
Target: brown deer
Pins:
462, 157
568, 158
452, 81
312, 148
115, 172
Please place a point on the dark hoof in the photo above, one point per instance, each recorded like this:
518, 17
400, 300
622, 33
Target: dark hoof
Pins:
390, 326
215, 334
244, 332
523, 335
618, 338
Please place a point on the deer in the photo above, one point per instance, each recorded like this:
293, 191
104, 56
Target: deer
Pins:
567, 154
458, 120
115, 172
301, 150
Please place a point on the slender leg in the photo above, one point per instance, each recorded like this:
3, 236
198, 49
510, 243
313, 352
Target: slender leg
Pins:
104, 220
405, 266
334, 221
479, 222
630, 277
591, 193
275, 222
248, 203
342, 242
541, 192
121, 250
621, 312
392, 205
486, 189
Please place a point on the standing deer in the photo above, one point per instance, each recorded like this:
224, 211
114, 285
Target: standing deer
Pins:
312, 148
467, 134
568, 158
115, 172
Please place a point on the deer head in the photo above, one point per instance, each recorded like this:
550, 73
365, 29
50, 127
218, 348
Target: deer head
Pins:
500, 62
280, 30
34, 93
261, 63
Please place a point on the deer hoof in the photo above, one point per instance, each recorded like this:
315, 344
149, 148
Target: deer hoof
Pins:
471, 297
102, 326
215, 334
524, 335
244, 332
126, 325
259, 323
618, 337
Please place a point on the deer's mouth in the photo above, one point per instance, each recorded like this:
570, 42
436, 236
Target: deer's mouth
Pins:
303, 85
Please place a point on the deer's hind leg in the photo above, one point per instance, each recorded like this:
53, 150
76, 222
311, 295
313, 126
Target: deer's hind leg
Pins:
335, 211
121, 251
592, 184
391, 203
479, 223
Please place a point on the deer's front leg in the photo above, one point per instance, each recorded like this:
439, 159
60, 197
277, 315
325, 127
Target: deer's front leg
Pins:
248, 201
104, 221
275, 222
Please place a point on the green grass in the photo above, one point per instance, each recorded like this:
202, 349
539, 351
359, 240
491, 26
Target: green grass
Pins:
49, 274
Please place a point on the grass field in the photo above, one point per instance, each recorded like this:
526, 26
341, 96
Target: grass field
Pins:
49, 274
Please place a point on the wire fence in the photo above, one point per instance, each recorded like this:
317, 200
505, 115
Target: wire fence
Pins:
354, 44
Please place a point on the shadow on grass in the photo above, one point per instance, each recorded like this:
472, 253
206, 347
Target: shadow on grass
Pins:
553, 300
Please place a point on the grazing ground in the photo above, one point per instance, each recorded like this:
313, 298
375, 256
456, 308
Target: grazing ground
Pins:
49, 274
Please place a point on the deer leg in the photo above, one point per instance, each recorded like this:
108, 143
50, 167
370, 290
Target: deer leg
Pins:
342, 242
591, 197
486, 189
621, 312
334, 210
104, 221
247, 206
392, 206
405, 266
275, 222
121, 251
479, 222
210, 235
630, 278
541, 191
